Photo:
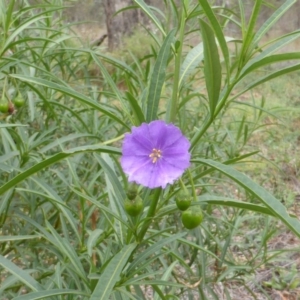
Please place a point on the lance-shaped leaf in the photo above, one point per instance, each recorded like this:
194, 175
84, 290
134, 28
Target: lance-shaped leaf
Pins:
191, 62
54, 159
146, 9
274, 205
21, 274
158, 78
212, 66
111, 274
222, 40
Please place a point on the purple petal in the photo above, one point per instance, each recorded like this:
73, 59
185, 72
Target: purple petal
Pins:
163, 135
132, 147
138, 145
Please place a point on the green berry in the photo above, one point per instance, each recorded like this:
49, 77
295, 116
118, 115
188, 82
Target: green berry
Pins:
192, 217
134, 207
3, 106
19, 100
183, 200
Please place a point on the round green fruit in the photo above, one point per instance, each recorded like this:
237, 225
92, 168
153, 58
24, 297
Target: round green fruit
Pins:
134, 207
19, 100
192, 217
183, 200
3, 106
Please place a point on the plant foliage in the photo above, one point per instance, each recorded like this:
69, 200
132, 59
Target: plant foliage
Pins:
64, 231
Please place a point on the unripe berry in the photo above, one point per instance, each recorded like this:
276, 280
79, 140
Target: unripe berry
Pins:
134, 207
192, 217
183, 200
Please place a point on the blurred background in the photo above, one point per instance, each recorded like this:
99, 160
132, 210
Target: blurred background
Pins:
93, 16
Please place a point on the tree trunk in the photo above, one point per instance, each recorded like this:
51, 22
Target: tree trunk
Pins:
120, 24
124, 23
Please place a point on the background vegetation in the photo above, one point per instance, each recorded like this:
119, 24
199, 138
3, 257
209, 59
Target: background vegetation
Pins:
230, 82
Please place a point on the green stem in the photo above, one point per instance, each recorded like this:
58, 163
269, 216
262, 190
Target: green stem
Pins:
209, 119
150, 215
4, 89
113, 140
182, 185
192, 185
82, 219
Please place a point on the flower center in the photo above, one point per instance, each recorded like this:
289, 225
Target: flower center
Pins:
155, 155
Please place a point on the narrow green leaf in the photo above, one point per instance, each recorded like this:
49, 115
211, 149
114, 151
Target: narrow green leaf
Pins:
35, 18
12, 125
166, 276
274, 205
267, 78
51, 293
136, 278
44, 231
92, 239
115, 191
53, 159
142, 257
275, 46
71, 92
251, 26
68, 251
8, 156
48, 196
158, 78
146, 9
191, 62
212, 66
63, 107
272, 59
162, 283
227, 162
137, 111
67, 138
211, 199
55, 199
112, 84
218, 31
112, 61
107, 165
9, 238
102, 207
111, 274
22, 275
5, 168
4, 205
196, 246
8, 14
125, 295
242, 17
272, 21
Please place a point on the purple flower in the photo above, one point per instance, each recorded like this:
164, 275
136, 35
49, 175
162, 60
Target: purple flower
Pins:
155, 154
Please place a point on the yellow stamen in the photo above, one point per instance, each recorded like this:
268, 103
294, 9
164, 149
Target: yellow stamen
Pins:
155, 155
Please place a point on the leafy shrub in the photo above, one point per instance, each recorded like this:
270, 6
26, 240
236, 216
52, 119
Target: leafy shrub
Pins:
65, 232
